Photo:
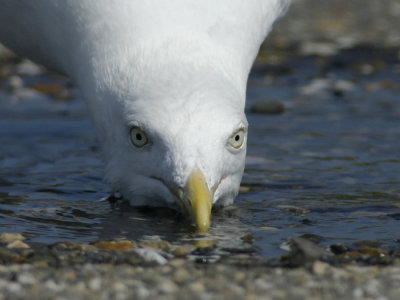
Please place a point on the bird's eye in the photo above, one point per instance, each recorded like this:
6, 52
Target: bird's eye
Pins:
237, 139
138, 137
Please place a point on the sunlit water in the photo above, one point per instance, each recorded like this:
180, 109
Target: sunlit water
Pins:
328, 166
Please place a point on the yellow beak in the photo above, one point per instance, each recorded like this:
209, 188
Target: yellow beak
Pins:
198, 200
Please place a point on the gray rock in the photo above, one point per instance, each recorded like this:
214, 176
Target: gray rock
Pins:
267, 107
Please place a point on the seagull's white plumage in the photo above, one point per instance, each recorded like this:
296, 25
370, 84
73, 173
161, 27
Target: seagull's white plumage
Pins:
164, 81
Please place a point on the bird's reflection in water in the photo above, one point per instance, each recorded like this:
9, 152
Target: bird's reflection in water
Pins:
144, 223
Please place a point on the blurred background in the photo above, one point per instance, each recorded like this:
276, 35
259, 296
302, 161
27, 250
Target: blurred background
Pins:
339, 23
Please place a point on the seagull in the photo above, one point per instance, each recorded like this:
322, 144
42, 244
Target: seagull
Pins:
164, 83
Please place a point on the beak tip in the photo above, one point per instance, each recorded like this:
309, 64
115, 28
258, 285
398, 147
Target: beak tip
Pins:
202, 227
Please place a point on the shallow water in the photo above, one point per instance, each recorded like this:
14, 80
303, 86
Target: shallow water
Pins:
328, 166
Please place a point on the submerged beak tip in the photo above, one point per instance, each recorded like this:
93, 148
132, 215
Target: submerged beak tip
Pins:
198, 195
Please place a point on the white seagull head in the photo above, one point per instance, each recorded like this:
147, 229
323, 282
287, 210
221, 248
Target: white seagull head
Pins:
173, 135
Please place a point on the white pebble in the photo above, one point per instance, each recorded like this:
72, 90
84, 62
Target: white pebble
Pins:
150, 255
95, 284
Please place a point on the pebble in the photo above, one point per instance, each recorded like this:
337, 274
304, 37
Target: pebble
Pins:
27, 278
197, 286
294, 209
15, 82
167, 286
267, 107
95, 284
181, 276
14, 287
315, 87
155, 245
27, 67
151, 256
320, 268
183, 250
7, 238
115, 245
18, 244
263, 285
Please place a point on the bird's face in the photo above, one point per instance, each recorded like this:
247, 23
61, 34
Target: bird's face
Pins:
185, 153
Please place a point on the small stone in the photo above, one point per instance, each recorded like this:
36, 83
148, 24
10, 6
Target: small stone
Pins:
342, 86
14, 287
358, 293
181, 276
197, 286
267, 107
248, 238
27, 278
95, 284
339, 249
301, 252
68, 275
73, 246
142, 292
15, 82
316, 86
41, 264
52, 285
262, 284
180, 251
115, 245
177, 262
27, 67
18, 245
320, 268
151, 256
52, 90
294, 209
119, 286
167, 286
11, 237
318, 48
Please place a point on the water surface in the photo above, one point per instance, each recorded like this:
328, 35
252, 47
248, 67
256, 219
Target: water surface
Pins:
328, 166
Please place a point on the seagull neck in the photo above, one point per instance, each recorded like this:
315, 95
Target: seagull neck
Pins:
124, 61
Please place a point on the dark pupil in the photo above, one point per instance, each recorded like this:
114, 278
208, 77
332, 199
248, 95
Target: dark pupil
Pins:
138, 136
237, 137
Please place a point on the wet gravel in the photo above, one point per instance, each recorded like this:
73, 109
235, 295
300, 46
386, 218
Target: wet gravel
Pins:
124, 269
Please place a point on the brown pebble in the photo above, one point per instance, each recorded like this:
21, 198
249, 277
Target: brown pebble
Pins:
268, 107
53, 90
248, 238
180, 251
115, 245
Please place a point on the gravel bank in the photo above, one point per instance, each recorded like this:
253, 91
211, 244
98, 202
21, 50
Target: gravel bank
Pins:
157, 270
185, 280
